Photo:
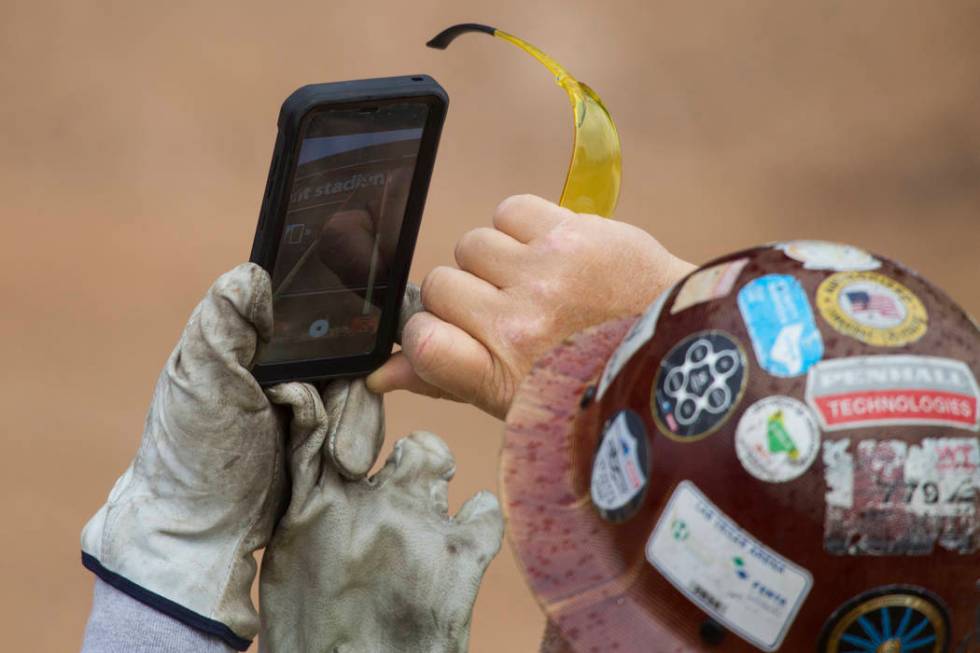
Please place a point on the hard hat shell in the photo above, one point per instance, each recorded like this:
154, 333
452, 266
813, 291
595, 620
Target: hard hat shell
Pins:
781, 454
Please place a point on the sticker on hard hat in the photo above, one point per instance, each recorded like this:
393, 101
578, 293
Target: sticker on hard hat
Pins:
893, 498
707, 284
638, 335
873, 391
777, 439
619, 471
740, 582
823, 255
698, 384
892, 619
872, 308
780, 324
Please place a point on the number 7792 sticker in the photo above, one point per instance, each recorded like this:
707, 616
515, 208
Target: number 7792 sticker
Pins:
892, 498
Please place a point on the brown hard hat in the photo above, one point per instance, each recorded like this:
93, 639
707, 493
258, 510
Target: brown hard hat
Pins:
781, 454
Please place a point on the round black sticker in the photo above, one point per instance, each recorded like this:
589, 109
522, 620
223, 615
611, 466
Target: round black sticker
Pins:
619, 470
893, 619
698, 384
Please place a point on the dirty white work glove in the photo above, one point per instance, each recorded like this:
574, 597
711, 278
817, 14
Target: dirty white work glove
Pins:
356, 430
181, 524
377, 565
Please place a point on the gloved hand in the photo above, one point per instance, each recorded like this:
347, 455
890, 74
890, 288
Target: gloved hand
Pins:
373, 566
181, 524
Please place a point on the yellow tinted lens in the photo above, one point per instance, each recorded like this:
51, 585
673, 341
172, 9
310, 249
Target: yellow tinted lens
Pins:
594, 175
595, 172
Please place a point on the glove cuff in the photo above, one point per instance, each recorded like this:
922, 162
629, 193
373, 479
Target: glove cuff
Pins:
165, 605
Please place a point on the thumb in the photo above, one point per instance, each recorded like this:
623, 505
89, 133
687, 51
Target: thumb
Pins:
226, 325
208, 372
397, 374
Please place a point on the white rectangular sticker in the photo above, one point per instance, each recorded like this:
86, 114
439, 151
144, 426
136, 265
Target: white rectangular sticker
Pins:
742, 583
638, 335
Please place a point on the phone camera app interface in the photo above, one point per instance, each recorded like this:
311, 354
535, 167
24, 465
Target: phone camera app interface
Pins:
346, 207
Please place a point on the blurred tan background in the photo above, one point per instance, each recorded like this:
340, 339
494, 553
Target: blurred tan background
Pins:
135, 140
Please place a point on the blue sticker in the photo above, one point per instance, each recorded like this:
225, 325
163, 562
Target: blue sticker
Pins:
780, 323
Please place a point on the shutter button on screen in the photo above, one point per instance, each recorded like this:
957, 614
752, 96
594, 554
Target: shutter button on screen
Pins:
319, 328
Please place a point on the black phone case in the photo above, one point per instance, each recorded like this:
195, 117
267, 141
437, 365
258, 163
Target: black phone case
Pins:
272, 215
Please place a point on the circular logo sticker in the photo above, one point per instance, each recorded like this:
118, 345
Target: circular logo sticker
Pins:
619, 471
823, 255
699, 381
888, 620
777, 439
872, 308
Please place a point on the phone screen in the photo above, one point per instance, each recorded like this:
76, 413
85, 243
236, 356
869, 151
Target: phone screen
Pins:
332, 272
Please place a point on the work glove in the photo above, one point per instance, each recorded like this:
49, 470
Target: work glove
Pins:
181, 524
377, 565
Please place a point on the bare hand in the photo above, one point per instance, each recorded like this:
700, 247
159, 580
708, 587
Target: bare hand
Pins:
540, 275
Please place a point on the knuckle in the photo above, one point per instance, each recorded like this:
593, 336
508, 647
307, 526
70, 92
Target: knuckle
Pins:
566, 239
526, 333
512, 206
546, 290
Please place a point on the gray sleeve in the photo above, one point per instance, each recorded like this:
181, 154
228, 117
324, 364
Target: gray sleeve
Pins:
121, 624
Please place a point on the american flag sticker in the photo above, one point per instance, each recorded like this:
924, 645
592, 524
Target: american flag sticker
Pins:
865, 302
872, 308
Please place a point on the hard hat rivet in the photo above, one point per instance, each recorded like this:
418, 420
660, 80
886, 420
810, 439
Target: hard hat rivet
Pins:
712, 633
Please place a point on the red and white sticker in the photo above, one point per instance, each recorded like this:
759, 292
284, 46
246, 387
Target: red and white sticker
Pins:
892, 498
619, 468
872, 391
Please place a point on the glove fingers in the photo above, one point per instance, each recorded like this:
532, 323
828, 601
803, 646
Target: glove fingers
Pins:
482, 522
219, 342
307, 434
235, 312
421, 465
356, 434
411, 304
308, 410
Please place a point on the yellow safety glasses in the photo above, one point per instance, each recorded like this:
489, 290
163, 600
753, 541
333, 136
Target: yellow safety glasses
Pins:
595, 172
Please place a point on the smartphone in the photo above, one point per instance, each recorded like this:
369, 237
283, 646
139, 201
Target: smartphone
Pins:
339, 221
